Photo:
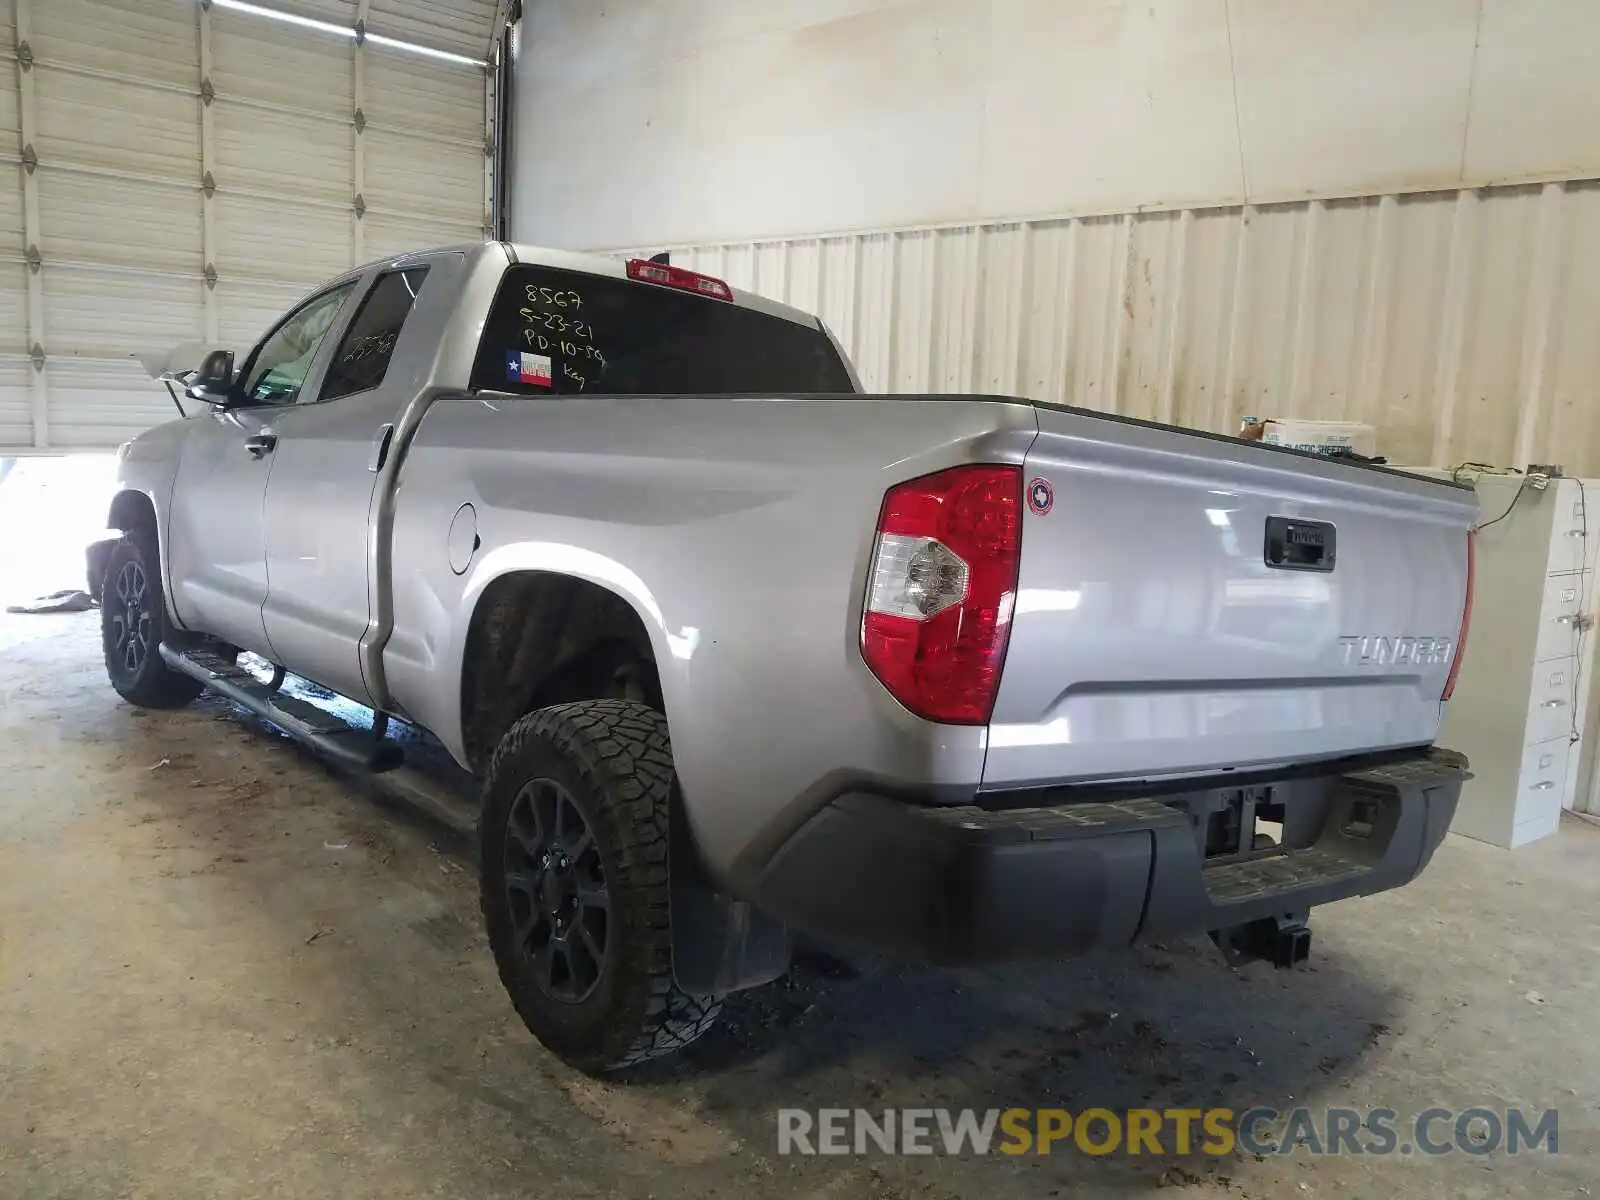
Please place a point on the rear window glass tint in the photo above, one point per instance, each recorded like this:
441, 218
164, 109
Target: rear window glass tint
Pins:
363, 357
567, 332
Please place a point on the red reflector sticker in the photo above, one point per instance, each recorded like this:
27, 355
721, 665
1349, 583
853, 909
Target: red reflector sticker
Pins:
1041, 497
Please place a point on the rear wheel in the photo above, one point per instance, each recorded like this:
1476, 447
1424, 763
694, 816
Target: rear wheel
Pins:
133, 621
575, 884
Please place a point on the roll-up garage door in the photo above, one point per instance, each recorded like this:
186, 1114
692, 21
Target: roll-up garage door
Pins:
183, 170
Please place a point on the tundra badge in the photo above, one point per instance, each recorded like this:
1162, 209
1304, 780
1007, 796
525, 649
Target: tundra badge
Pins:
1373, 651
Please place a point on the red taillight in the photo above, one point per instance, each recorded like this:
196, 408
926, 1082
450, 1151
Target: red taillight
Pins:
676, 277
1466, 616
944, 575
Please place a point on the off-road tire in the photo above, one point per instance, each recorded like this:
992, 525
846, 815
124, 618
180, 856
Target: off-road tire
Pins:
149, 682
614, 760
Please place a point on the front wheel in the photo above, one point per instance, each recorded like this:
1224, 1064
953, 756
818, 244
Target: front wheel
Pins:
133, 620
575, 884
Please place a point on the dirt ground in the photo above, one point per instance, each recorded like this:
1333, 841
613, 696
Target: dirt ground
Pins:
227, 972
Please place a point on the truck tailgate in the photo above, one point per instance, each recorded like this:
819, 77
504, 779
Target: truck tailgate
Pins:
1152, 637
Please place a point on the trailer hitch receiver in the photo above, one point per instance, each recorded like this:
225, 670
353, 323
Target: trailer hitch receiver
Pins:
1282, 941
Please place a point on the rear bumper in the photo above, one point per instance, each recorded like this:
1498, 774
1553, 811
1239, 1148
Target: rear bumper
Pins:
961, 884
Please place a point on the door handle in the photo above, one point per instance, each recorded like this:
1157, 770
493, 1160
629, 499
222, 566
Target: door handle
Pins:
261, 444
380, 447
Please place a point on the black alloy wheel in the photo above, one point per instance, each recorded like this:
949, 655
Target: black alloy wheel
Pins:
132, 622
556, 889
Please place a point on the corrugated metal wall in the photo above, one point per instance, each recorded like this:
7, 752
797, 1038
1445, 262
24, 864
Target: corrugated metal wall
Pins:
185, 172
1463, 325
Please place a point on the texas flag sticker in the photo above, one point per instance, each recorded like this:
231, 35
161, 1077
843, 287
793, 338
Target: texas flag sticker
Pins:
522, 367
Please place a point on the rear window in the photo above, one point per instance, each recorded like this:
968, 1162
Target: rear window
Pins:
565, 332
362, 359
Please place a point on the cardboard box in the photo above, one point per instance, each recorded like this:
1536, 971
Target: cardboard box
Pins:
1314, 437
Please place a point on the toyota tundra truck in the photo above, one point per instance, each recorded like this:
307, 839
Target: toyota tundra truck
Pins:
729, 652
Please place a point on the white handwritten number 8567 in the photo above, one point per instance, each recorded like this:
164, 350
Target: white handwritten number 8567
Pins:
561, 299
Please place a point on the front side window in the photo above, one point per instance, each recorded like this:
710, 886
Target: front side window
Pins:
362, 358
281, 365
553, 331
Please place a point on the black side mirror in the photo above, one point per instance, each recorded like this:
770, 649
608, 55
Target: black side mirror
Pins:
212, 381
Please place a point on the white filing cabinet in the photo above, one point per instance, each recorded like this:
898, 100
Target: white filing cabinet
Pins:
1520, 701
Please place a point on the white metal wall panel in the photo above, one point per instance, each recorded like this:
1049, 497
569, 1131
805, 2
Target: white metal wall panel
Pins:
424, 142
10, 118
267, 238
152, 225
411, 94
16, 373
285, 155
113, 87
284, 152
16, 426
90, 122
1460, 324
145, 312
281, 65
11, 243
336, 12
13, 313
150, 42
100, 394
16, 379
1571, 379
98, 403
461, 26
732, 120
407, 174
387, 235
198, 171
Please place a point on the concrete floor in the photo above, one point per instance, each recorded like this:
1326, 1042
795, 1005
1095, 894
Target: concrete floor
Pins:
226, 972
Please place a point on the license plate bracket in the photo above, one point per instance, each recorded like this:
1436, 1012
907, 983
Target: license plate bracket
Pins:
1231, 829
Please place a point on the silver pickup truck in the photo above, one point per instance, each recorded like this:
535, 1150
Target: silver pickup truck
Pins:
732, 651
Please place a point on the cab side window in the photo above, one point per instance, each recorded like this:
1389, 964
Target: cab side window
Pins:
363, 357
280, 367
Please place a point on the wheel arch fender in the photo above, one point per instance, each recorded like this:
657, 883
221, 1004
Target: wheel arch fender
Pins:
557, 562
133, 510
147, 474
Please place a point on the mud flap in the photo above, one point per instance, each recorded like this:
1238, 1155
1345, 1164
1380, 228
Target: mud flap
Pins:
719, 945
722, 945
96, 555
